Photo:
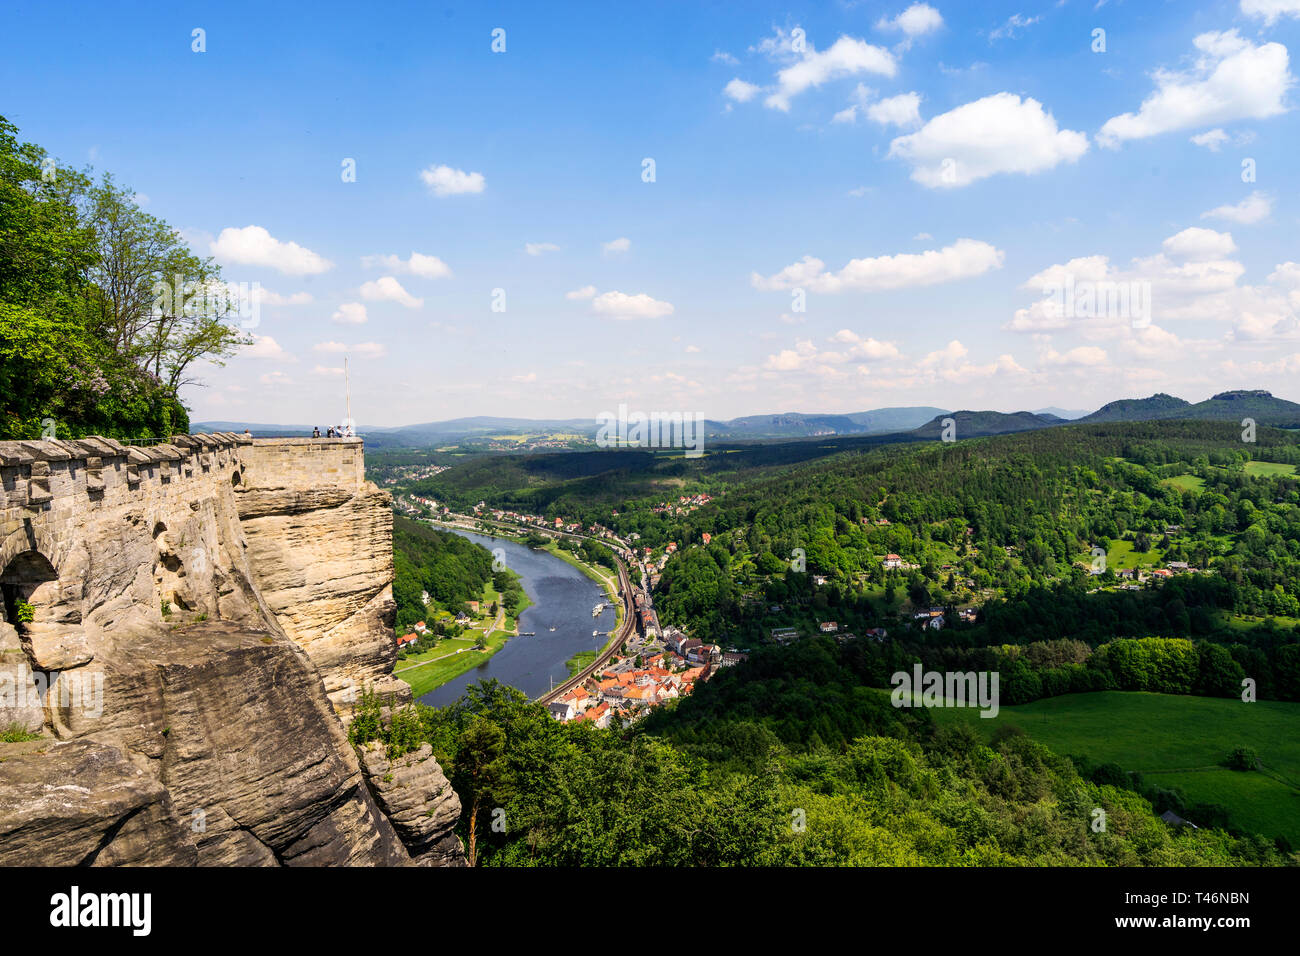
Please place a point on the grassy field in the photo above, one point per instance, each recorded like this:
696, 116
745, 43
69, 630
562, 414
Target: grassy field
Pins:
1120, 556
1187, 482
1268, 469
1249, 622
448, 660
454, 656
1176, 741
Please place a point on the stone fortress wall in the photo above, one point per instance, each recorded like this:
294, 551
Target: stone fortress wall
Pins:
222, 599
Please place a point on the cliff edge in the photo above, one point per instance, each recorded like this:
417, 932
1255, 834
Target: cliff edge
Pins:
185, 626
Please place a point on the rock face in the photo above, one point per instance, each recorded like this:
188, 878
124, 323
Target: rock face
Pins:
320, 542
415, 795
83, 803
170, 623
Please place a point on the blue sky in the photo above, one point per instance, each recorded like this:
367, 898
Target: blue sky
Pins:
923, 173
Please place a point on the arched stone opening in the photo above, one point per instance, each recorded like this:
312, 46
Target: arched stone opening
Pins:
47, 624
29, 586
234, 478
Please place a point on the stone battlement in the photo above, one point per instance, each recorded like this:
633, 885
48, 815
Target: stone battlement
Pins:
34, 473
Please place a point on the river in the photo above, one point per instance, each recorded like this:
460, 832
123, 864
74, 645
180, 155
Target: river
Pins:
562, 598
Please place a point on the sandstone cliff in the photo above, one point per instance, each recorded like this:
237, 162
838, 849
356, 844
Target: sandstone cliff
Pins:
172, 621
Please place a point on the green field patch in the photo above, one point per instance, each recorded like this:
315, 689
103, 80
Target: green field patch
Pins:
1186, 482
580, 660
448, 660
1175, 741
1120, 556
1268, 469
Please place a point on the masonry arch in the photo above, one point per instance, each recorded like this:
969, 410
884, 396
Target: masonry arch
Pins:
29, 588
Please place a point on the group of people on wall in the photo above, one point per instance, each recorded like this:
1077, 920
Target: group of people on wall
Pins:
335, 431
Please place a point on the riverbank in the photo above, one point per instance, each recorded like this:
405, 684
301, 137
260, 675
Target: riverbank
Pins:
438, 676
454, 656
580, 660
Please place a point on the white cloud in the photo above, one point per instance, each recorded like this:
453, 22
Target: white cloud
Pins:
963, 259
622, 244
1086, 356
996, 134
1192, 278
1211, 139
525, 378
950, 354
327, 370
740, 91
846, 57
862, 95
1014, 22
1270, 10
388, 289
538, 248
586, 292
901, 110
264, 347
445, 181
1200, 245
329, 347
350, 313
950, 364
619, 305
923, 237
1232, 79
426, 267
1254, 208
268, 297
867, 348
692, 348
801, 356
254, 246
915, 21
721, 56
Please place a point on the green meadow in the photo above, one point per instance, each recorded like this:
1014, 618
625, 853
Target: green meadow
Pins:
1176, 741
1268, 469
1187, 482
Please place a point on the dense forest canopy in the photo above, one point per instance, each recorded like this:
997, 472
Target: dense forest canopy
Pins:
790, 764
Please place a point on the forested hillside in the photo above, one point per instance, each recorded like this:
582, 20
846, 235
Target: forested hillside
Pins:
789, 762
450, 568
999, 517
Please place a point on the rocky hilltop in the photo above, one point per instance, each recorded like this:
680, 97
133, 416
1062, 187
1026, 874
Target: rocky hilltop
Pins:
185, 626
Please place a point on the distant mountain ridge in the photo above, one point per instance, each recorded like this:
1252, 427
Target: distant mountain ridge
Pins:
920, 421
